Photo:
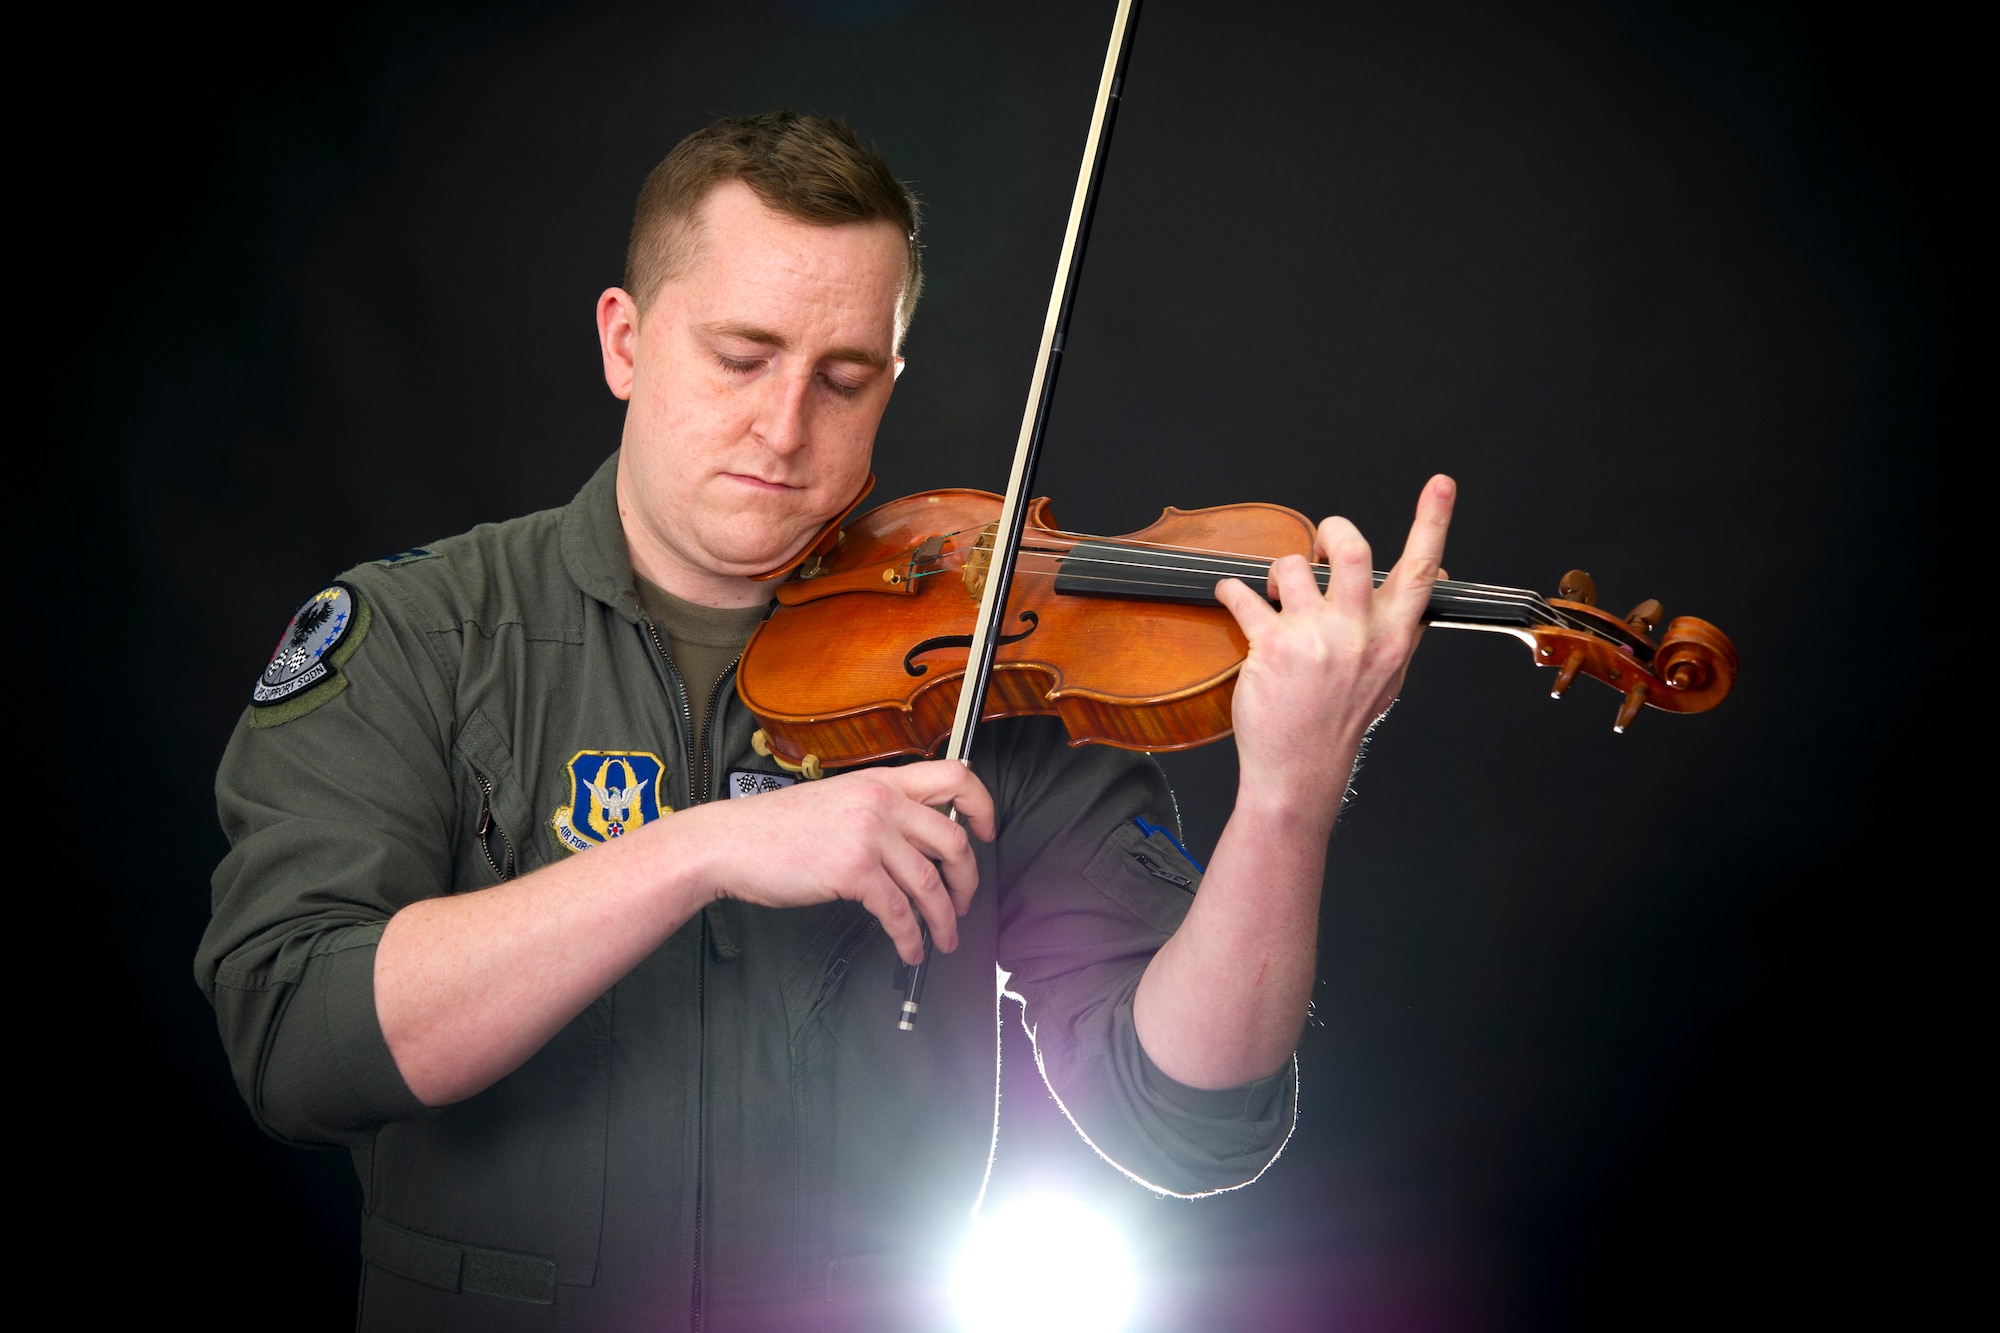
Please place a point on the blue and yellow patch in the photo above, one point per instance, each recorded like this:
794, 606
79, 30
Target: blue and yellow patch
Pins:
611, 793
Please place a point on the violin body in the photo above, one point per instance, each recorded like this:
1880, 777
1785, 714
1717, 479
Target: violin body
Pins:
856, 665
1120, 637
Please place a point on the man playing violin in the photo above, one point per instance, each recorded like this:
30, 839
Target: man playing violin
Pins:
593, 990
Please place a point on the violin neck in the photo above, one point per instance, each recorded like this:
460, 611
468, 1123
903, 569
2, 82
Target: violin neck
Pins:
1152, 573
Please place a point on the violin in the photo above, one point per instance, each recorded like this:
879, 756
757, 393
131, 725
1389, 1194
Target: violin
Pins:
1122, 638
933, 613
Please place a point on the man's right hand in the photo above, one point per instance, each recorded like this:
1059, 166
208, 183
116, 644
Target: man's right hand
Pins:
875, 836
468, 986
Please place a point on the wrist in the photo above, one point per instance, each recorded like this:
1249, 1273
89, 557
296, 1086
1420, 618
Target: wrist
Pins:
678, 866
1305, 795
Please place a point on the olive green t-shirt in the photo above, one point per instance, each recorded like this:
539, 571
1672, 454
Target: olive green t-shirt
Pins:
704, 642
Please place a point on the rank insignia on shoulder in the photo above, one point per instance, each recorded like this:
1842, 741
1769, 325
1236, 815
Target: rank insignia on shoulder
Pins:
405, 557
304, 671
749, 782
611, 793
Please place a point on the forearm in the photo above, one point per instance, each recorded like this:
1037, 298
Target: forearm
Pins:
468, 987
1224, 1000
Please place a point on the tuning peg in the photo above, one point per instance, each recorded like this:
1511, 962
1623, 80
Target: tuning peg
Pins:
1567, 675
1635, 699
1646, 616
1577, 586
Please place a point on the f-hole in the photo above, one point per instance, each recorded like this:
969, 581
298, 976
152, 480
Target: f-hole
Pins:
916, 668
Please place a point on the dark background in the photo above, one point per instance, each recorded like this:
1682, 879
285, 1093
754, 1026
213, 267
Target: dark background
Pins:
1611, 1032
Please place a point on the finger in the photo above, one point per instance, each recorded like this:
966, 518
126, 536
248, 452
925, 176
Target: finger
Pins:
1350, 567
975, 806
1331, 533
939, 782
1254, 615
1296, 585
1409, 583
925, 890
887, 903
940, 842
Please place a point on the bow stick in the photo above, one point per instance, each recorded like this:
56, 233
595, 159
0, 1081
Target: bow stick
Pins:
1034, 421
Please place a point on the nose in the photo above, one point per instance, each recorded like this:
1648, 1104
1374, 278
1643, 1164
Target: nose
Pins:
783, 414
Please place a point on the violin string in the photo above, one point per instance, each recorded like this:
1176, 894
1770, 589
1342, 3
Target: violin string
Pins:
1256, 563
1525, 608
1253, 565
1261, 563
1525, 600
1259, 566
1527, 604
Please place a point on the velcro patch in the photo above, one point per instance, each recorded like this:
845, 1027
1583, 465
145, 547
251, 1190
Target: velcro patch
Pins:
749, 782
304, 670
611, 793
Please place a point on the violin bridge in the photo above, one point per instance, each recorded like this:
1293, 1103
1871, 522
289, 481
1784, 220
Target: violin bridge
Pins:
979, 560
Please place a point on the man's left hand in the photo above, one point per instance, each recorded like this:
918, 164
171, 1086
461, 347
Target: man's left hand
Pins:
1224, 999
1325, 667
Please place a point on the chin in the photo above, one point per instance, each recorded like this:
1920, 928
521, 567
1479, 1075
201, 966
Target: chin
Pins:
751, 549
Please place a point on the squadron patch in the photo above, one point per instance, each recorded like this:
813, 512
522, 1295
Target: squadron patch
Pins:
304, 671
611, 793
748, 782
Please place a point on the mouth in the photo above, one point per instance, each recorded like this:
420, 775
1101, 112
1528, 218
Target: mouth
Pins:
760, 484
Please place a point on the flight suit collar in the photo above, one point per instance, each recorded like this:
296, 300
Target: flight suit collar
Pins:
593, 543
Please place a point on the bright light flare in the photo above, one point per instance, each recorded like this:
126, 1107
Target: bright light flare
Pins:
1043, 1263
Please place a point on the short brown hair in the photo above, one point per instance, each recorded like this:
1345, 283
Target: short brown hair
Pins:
811, 168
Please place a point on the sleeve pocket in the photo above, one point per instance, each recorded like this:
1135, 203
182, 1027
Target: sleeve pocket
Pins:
1146, 874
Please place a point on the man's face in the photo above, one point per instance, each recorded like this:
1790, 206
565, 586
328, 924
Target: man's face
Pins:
756, 382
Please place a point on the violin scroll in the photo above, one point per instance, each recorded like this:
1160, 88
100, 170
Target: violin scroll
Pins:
1687, 669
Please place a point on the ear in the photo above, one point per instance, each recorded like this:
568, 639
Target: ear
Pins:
618, 339
899, 368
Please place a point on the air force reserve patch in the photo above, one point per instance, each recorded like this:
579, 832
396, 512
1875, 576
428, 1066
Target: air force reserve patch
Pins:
304, 671
611, 793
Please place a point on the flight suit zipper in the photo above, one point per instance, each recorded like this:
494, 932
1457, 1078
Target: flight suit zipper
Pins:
700, 794
695, 795
709, 727
487, 828
702, 771
701, 1112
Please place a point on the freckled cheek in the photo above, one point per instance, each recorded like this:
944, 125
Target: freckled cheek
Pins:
700, 431
852, 447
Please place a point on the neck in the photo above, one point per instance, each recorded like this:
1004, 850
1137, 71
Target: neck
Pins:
662, 567
666, 568
1118, 569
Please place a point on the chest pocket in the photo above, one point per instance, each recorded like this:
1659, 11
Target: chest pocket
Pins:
495, 839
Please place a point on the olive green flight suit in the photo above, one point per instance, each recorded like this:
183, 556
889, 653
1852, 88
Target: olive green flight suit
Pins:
735, 1135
